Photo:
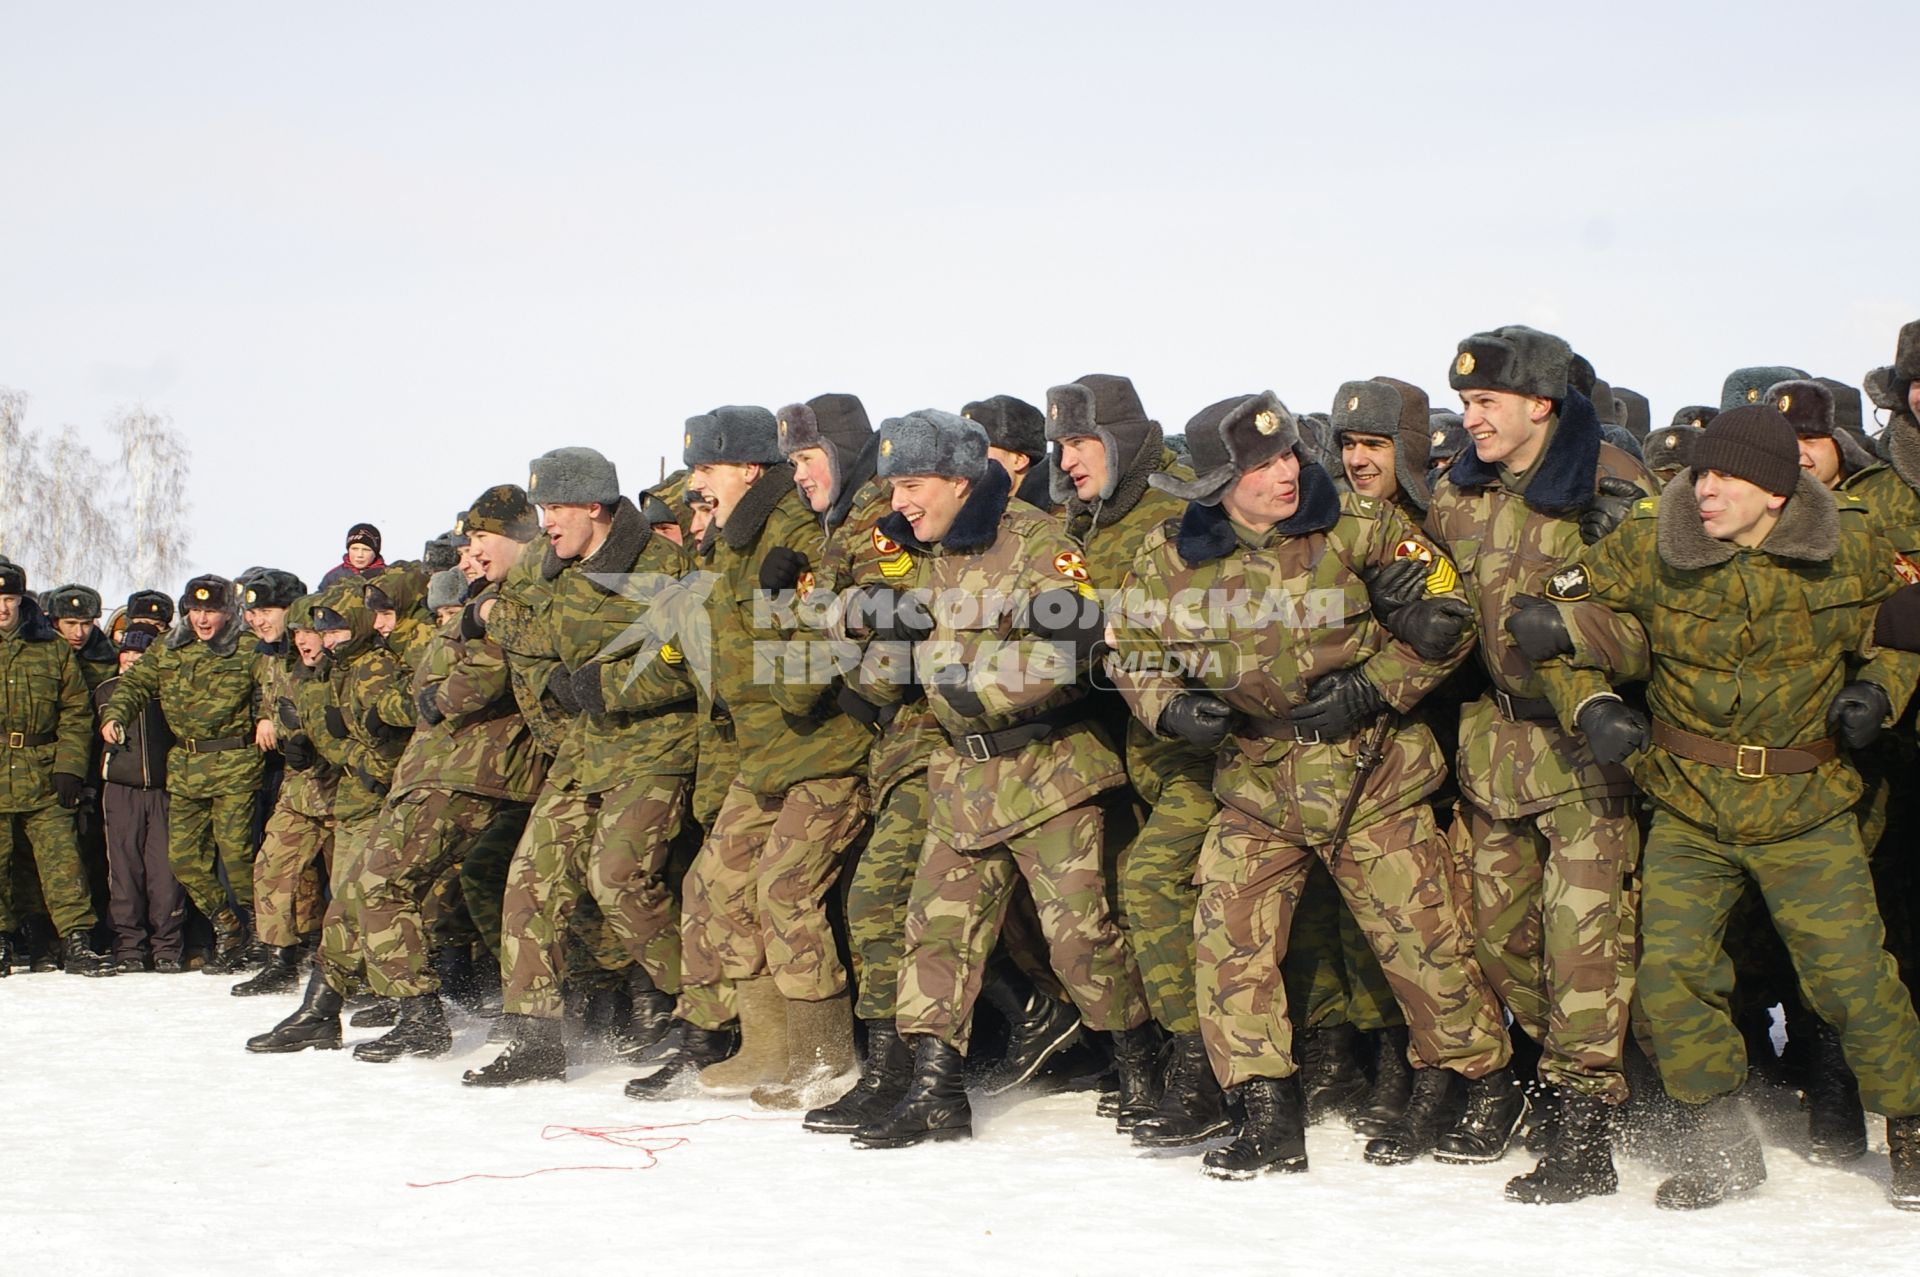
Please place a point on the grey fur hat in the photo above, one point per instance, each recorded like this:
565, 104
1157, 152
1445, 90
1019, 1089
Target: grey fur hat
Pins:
1447, 435
1229, 438
1395, 410
1848, 413
73, 603
1811, 408
1518, 359
13, 577
1011, 424
1670, 449
1106, 407
573, 476
1605, 406
836, 424
1695, 415
1906, 362
1316, 440
271, 587
735, 434
1637, 414
930, 441
1745, 386
1580, 374
440, 553
446, 588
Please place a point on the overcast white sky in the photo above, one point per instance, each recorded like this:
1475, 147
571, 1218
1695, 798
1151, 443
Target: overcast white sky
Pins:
373, 257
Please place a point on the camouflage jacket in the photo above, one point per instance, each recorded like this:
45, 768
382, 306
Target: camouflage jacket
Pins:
482, 745
993, 561
1748, 647
1507, 543
518, 623
787, 712
1255, 621
206, 692
1891, 501
278, 676
359, 673
42, 693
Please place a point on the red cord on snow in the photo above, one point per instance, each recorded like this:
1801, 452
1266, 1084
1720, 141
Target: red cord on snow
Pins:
645, 1139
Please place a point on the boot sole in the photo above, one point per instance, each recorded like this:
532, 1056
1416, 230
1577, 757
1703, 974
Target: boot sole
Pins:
1837, 1156
1735, 1189
488, 1083
1525, 1198
1187, 1140
1002, 1085
1290, 1166
329, 1044
919, 1137
1905, 1203
430, 1053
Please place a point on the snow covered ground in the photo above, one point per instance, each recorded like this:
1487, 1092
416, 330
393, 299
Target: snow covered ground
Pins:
135, 1133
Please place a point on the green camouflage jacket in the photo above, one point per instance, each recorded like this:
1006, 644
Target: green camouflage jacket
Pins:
279, 676
1747, 646
360, 672
42, 693
206, 692
482, 745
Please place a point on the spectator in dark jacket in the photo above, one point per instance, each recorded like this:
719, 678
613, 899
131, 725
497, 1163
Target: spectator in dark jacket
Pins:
361, 559
146, 903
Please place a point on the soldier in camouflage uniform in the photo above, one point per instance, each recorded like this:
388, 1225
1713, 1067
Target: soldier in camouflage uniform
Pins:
75, 613
1017, 439
1669, 450
1005, 630
1545, 836
470, 758
204, 684
1752, 595
45, 740
1310, 692
397, 599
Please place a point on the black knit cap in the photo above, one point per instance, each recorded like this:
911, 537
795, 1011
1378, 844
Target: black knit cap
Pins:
1755, 443
364, 534
139, 636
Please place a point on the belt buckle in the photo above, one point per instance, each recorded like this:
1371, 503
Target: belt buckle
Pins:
1310, 738
976, 747
191, 746
1505, 702
1740, 753
16, 740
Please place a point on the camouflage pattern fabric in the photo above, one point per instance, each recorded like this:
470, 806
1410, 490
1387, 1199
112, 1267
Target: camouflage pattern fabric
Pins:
340, 950
878, 887
483, 872
287, 875
205, 835
43, 839
1330, 973
420, 836
206, 692
1157, 892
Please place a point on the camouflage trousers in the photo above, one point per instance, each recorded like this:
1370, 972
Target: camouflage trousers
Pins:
1555, 914
204, 835
1820, 895
295, 852
1330, 973
419, 843
1157, 896
1393, 876
611, 845
878, 887
340, 949
955, 912
45, 837
756, 896
484, 869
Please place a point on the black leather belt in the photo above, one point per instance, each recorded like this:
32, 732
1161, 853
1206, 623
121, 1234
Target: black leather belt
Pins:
215, 745
29, 740
1524, 709
981, 746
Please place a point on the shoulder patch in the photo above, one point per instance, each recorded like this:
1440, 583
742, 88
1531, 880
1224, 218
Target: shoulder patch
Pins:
1365, 507
1646, 506
1569, 585
1906, 569
884, 544
1071, 564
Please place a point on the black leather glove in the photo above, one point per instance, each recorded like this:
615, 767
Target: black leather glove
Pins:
299, 752
381, 730
370, 783
426, 703
560, 687
586, 689
1197, 718
889, 616
1067, 616
1614, 729
1396, 585
471, 626
1537, 629
1433, 627
781, 569
857, 707
1338, 704
950, 681
1612, 499
337, 723
288, 713
67, 789
1898, 623
1857, 712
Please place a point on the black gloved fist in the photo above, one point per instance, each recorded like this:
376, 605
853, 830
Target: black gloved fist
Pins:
1614, 729
380, 729
1394, 586
67, 789
1067, 616
288, 713
781, 569
560, 687
371, 783
1537, 629
888, 616
426, 703
1197, 718
1612, 499
857, 707
1857, 712
950, 681
1433, 627
299, 753
337, 723
587, 693
1898, 623
1337, 705
471, 625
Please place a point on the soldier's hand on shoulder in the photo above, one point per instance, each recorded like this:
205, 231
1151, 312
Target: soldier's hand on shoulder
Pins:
1338, 704
1537, 628
780, 570
1197, 718
1433, 627
1067, 616
1398, 584
1857, 712
426, 703
1612, 499
949, 682
67, 789
587, 692
1614, 729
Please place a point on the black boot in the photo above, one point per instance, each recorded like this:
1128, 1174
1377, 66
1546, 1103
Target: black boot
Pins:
459, 976
230, 945
381, 1013
537, 1053
315, 1024
1192, 1107
6, 955
1331, 1079
1719, 1157
1273, 1134
682, 1053
1836, 1120
607, 1011
1431, 1109
934, 1107
421, 1030
1579, 1163
1392, 1084
1495, 1105
649, 1016
282, 972
1136, 1057
1903, 1151
80, 957
1038, 1028
1540, 1129
889, 1071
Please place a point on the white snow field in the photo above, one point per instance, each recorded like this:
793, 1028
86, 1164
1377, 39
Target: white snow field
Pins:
137, 1135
